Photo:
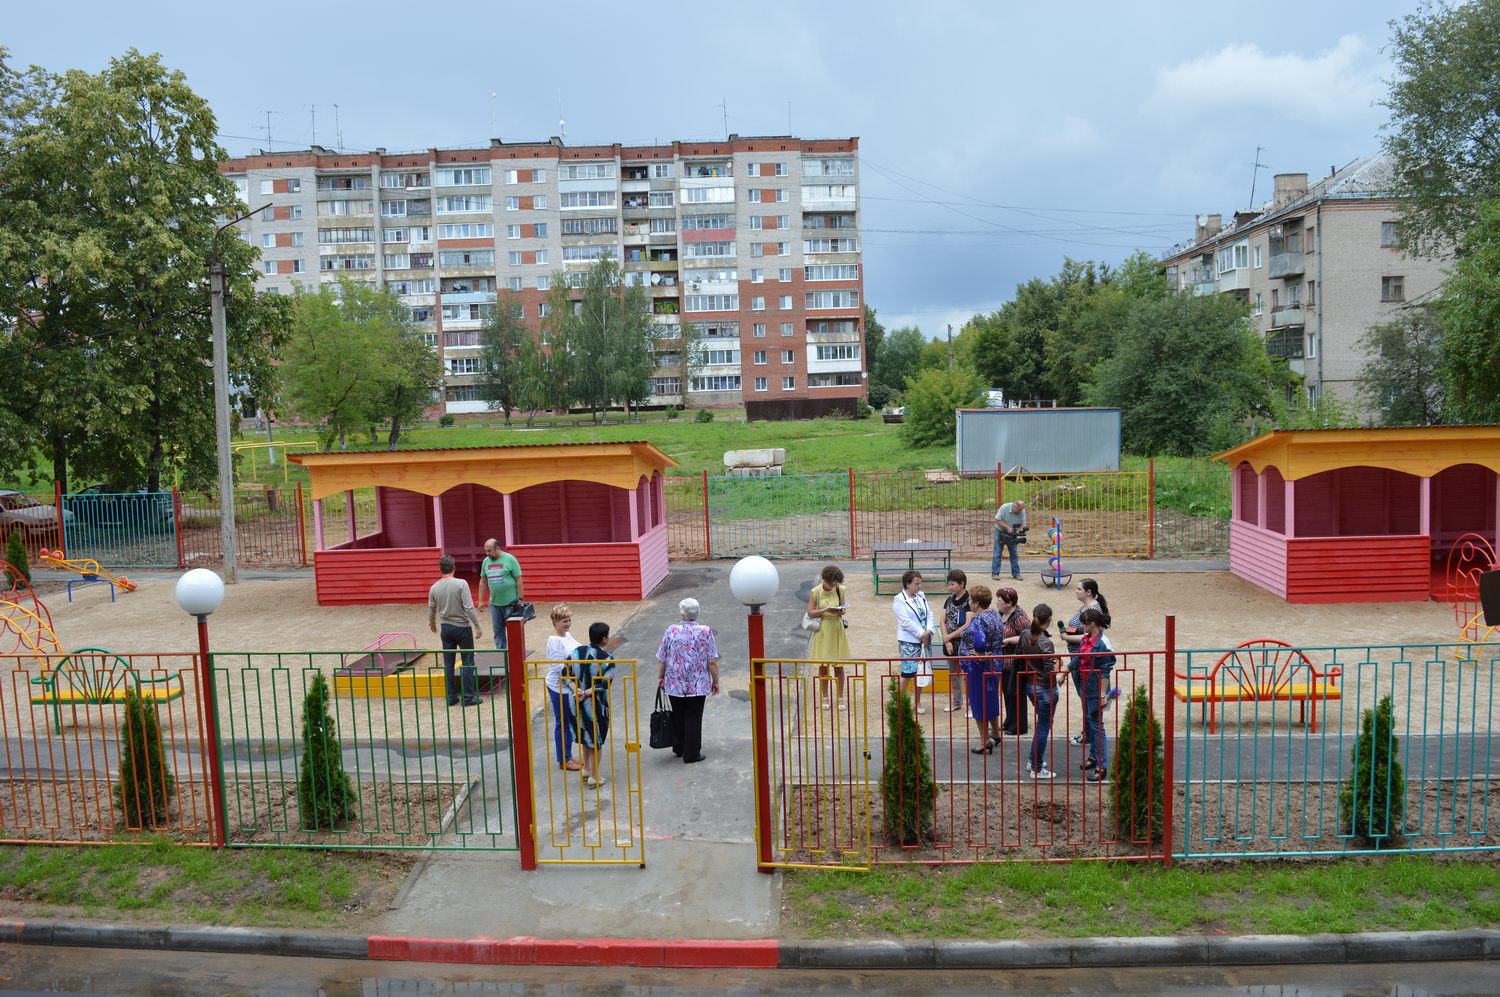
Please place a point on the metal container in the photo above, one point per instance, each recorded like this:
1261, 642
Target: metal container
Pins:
1040, 440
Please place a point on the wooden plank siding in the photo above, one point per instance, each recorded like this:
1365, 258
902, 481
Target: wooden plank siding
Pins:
582, 572
1258, 556
368, 576
1358, 569
653, 559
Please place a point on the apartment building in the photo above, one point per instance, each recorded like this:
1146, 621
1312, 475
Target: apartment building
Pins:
754, 241
1318, 264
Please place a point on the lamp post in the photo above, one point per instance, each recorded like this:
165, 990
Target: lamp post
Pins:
754, 581
199, 593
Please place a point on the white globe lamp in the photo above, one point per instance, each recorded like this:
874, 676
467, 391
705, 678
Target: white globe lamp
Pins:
200, 592
754, 581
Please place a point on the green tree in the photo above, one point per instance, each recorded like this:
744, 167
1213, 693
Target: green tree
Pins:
15, 556
1470, 311
1136, 795
1443, 134
558, 356
501, 367
900, 355
1186, 372
325, 795
107, 272
613, 341
144, 791
931, 400
908, 791
874, 340
690, 358
414, 378
1372, 803
1401, 378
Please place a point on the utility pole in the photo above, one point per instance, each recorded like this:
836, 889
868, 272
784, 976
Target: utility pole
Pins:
227, 534
950, 347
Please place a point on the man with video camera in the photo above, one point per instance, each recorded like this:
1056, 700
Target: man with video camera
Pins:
1010, 532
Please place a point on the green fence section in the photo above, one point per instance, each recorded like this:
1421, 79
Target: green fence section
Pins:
422, 774
1288, 752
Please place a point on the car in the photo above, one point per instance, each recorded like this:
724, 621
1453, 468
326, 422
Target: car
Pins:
104, 505
20, 512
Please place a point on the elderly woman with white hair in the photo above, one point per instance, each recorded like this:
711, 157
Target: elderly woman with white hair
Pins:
689, 673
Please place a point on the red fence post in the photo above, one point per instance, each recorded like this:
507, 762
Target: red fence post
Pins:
708, 552
760, 731
520, 740
1151, 502
301, 524
851, 514
177, 524
208, 700
62, 542
1169, 747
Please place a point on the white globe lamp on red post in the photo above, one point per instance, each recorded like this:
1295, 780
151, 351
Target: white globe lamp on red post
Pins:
754, 581
199, 593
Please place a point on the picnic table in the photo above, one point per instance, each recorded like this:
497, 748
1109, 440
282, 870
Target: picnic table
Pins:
889, 561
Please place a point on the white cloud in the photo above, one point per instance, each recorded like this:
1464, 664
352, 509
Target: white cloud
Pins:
1070, 136
1329, 86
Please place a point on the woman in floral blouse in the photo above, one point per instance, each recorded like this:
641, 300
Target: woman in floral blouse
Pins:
690, 674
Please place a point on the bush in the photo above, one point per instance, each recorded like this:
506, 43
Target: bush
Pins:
145, 782
447, 421
673, 411
862, 410
931, 399
881, 395
1372, 806
907, 789
1138, 772
324, 793
15, 556
704, 415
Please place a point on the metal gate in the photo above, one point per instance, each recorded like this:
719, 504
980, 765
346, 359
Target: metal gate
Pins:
126, 529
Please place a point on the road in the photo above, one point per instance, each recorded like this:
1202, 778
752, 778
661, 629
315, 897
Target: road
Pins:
123, 973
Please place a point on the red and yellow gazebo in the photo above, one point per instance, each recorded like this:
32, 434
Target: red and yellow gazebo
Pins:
586, 520
1359, 515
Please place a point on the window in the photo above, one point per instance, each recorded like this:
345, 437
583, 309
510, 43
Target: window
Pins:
753, 196
294, 212
470, 202
758, 357
1390, 235
711, 274
543, 310
692, 223
830, 246
541, 256
467, 230
242, 187
514, 258
396, 261
267, 186
393, 235
1393, 289
343, 183
711, 303
784, 303
539, 230
837, 351
587, 252
588, 226
788, 384
757, 276
755, 225
757, 304
718, 382
786, 328
586, 171
783, 221
1293, 295
660, 199
357, 261
663, 386
832, 380
662, 171
463, 393
421, 233
331, 236
544, 283
760, 384
539, 202
298, 266
514, 283
467, 258
403, 180
752, 169
1259, 307
721, 357
828, 167
788, 356
757, 249
833, 299
425, 285
784, 274
663, 226
702, 195
588, 199
512, 231
783, 249
393, 209
268, 266
335, 209
267, 240
461, 365
839, 271
463, 313
421, 260
829, 192
758, 330
1312, 293
466, 176
698, 250
1257, 257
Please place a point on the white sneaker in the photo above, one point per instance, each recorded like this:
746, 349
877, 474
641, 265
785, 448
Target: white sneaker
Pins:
1043, 773
1076, 739
921, 710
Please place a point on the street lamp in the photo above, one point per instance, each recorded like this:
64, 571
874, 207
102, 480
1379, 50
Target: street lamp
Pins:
754, 581
199, 593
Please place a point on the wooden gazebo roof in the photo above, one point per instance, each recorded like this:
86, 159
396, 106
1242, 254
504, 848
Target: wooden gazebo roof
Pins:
1422, 450
505, 469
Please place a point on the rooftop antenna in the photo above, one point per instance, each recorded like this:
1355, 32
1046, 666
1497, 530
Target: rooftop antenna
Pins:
494, 128
1255, 173
313, 109
338, 131
789, 117
562, 125
723, 106
268, 128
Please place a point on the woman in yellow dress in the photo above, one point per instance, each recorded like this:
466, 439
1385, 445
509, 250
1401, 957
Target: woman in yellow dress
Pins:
829, 642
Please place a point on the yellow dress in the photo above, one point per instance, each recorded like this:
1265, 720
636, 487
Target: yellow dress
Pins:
830, 642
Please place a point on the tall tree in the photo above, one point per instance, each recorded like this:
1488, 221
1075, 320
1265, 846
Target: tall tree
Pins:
612, 339
500, 360
900, 354
1471, 324
414, 378
932, 398
1444, 132
1401, 378
874, 340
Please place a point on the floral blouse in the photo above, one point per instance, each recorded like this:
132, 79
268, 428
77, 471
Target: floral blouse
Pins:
686, 648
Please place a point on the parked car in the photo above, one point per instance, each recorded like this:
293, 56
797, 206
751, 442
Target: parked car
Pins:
103, 505
19, 511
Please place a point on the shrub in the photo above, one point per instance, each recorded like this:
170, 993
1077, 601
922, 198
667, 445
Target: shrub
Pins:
447, 421
881, 395
1372, 806
704, 415
907, 788
1138, 772
862, 409
673, 411
15, 555
145, 782
324, 793
932, 397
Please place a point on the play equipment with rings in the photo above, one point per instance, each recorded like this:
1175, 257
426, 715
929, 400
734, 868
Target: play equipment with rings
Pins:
1055, 576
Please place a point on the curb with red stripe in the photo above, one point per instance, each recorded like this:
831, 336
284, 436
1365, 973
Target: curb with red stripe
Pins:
672, 953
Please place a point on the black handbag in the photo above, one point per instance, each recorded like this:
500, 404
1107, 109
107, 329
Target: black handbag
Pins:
523, 611
662, 733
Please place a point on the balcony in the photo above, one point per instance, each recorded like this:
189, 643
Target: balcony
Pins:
1287, 265
663, 264
468, 297
1285, 345
460, 339
1235, 280
1203, 288
1286, 317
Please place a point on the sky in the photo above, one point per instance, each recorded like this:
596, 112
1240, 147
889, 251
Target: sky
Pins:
996, 138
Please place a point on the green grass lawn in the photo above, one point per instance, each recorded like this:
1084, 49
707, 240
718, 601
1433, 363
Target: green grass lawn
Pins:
1022, 899
173, 883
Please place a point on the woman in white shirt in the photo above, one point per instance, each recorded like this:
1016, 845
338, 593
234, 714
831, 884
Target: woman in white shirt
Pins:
560, 645
913, 632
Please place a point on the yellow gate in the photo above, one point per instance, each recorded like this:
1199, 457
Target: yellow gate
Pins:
817, 748
584, 821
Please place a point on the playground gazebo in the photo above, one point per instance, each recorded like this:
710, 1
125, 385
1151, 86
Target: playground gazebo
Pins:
1359, 515
586, 521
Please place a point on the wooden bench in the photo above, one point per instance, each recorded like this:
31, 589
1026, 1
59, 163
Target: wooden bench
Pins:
1261, 671
888, 562
92, 676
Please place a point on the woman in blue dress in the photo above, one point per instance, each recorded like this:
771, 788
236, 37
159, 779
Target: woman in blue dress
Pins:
987, 631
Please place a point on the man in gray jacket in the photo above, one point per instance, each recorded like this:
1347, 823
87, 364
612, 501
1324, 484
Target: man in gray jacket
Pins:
450, 601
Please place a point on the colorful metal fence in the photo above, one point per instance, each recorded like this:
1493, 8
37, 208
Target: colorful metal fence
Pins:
270, 527
1295, 760
128, 529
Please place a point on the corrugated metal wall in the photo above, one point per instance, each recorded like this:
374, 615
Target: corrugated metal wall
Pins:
1042, 440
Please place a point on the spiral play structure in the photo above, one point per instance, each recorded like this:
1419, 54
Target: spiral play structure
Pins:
1055, 576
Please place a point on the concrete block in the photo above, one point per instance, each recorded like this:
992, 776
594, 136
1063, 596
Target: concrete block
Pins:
873, 954
752, 458
1173, 950
1264, 950
1005, 954
1414, 946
